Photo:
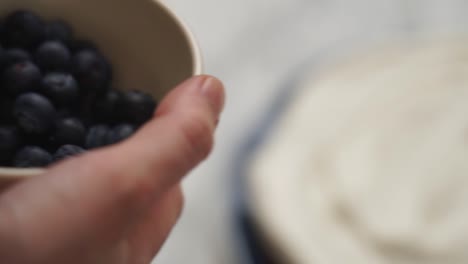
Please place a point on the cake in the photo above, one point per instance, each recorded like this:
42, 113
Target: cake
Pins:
369, 162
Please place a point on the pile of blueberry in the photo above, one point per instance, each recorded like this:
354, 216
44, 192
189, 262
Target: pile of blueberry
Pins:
56, 98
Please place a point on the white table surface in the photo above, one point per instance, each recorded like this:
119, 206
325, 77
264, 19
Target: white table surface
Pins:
253, 45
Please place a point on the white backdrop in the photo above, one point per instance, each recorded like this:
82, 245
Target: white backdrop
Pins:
253, 45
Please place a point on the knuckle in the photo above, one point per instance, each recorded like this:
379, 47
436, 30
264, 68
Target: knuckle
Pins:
197, 134
140, 191
179, 202
131, 188
137, 190
176, 201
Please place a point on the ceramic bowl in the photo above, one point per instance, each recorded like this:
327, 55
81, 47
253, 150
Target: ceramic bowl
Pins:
150, 48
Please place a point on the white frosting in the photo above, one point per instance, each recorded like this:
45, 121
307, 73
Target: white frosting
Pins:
370, 163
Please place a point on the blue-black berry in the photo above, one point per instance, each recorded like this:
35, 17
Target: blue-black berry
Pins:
92, 71
136, 107
61, 88
120, 133
65, 113
32, 157
6, 110
106, 107
53, 56
34, 113
97, 136
69, 131
10, 140
68, 151
23, 29
53, 87
78, 45
59, 30
21, 77
13, 56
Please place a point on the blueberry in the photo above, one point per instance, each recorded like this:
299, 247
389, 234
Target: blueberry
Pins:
32, 157
10, 140
67, 151
13, 56
97, 136
68, 131
53, 56
61, 88
64, 113
34, 113
2, 28
136, 107
59, 30
78, 45
92, 71
120, 133
21, 77
105, 107
2, 53
23, 29
85, 107
6, 110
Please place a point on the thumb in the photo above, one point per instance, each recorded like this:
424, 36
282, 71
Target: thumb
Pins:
93, 198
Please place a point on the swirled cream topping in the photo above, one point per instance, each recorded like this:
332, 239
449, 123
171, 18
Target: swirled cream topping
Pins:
370, 163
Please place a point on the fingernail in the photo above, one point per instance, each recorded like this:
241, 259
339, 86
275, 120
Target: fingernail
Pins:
212, 89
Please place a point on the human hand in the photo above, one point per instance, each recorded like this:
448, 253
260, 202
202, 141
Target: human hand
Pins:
116, 204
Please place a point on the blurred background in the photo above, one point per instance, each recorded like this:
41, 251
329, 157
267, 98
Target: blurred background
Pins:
255, 46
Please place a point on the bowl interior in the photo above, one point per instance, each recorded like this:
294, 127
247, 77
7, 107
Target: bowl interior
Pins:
149, 48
